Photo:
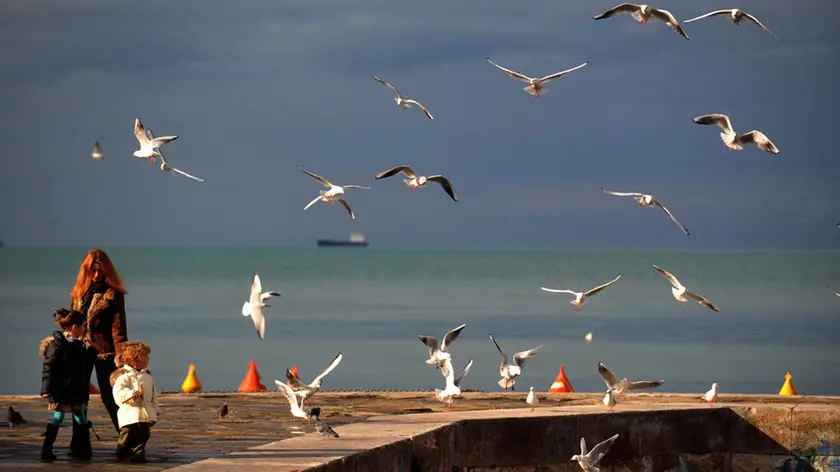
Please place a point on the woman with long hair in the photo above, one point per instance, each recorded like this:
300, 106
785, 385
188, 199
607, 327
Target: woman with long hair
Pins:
99, 294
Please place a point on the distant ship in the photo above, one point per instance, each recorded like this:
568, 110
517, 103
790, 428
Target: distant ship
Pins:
356, 239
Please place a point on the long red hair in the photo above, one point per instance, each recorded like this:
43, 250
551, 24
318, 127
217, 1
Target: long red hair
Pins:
96, 257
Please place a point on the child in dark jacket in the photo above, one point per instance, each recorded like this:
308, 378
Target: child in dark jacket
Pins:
65, 382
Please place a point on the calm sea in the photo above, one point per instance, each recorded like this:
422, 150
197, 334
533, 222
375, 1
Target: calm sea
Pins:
371, 304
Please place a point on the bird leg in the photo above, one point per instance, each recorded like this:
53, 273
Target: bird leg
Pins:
577, 308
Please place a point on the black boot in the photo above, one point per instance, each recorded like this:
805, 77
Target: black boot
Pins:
80, 447
49, 439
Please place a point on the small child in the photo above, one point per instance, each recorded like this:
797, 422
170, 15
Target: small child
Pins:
134, 392
65, 381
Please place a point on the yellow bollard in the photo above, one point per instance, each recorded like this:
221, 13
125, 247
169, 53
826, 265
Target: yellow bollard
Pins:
787, 388
191, 383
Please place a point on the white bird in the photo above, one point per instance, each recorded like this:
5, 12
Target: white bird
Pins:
736, 15
535, 84
256, 302
305, 391
624, 385
733, 140
588, 337
646, 200
582, 297
295, 405
149, 145
401, 101
609, 399
681, 292
414, 180
532, 399
833, 291
509, 371
643, 13
332, 194
453, 384
587, 460
711, 395
439, 352
164, 166
97, 151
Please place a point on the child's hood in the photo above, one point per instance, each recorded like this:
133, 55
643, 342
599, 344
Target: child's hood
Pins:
42, 348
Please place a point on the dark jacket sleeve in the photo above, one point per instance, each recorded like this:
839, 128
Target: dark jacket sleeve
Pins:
119, 329
50, 367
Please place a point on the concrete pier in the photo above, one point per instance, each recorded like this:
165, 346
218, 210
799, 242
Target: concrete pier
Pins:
483, 432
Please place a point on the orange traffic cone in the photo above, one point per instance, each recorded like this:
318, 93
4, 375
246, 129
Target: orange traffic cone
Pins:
191, 383
293, 370
93, 390
561, 383
251, 382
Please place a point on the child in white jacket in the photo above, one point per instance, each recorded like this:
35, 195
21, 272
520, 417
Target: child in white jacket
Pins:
134, 393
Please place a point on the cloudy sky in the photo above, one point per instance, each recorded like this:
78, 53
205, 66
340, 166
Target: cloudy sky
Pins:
255, 88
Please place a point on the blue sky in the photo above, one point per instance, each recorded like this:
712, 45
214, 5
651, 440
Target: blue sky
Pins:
255, 88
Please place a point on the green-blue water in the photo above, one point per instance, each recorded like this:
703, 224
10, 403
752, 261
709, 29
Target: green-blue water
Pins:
777, 315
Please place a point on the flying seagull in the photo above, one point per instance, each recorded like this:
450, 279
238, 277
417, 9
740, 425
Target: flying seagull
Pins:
414, 180
623, 385
295, 405
401, 101
646, 200
149, 145
97, 152
643, 13
509, 371
733, 140
535, 84
582, 297
305, 391
321, 426
453, 384
680, 292
164, 166
587, 460
256, 302
736, 15
833, 291
439, 352
332, 194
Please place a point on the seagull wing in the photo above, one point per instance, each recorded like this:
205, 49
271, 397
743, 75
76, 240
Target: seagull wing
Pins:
519, 357
432, 343
716, 119
583, 449
256, 289
557, 75
643, 384
329, 369
833, 291
701, 300
324, 182
755, 20
356, 186
288, 393
464, 372
712, 13
683, 228
158, 142
140, 134
266, 295
187, 175
623, 194
312, 202
676, 283
598, 452
297, 384
345, 205
388, 85
408, 171
96, 149
669, 19
411, 100
451, 336
515, 75
761, 140
595, 290
554, 290
446, 184
623, 8
607, 375
503, 353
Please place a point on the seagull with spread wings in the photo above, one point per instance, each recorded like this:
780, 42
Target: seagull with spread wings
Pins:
646, 200
305, 391
733, 140
681, 292
295, 405
624, 385
149, 145
582, 297
333, 193
643, 14
453, 384
509, 371
535, 85
587, 460
439, 351
402, 101
735, 15
97, 152
415, 180
256, 302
